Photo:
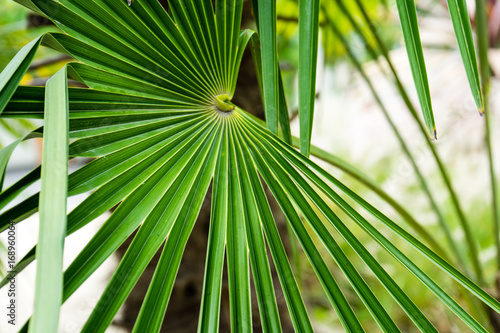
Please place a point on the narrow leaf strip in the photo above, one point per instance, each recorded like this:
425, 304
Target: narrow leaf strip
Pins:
258, 254
267, 31
210, 303
245, 36
155, 304
287, 176
237, 252
49, 277
228, 17
332, 289
408, 18
6, 153
298, 312
106, 81
365, 180
15, 70
463, 32
308, 56
305, 166
128, 216
284, 118
148, 240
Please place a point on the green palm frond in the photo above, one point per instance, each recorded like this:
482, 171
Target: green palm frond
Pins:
463, 32
159, 121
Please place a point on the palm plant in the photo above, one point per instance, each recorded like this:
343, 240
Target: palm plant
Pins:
159, 120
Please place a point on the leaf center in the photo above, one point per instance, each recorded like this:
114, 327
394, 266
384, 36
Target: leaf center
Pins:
222, 103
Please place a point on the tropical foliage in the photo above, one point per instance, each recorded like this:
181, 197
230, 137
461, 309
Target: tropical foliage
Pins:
157, 117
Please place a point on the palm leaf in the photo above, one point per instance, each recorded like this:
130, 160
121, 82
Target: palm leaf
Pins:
266, 20
308, 54
463, 31
408, 18
158, 119
11, 76
49, 281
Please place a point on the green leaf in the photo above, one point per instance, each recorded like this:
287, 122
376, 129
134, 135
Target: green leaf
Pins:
463, 31
283, 173
324, 275
113, 64
245, 36
148, 240
29, 4
197, 26
49, 277
157, 20
129, 215
344, 310
151, 120
408, 18
257, 247
365, 180
237, 249
231, 46
308, 56
305, 166
293, 298
267, 31
28, 102
404, 147
12, 75
219, 216
10, 193
155, 303
465, 225
284, 118
20, 211
114, 83
5, 155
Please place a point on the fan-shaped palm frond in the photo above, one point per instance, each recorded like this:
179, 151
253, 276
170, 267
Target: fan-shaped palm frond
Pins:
159, 120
